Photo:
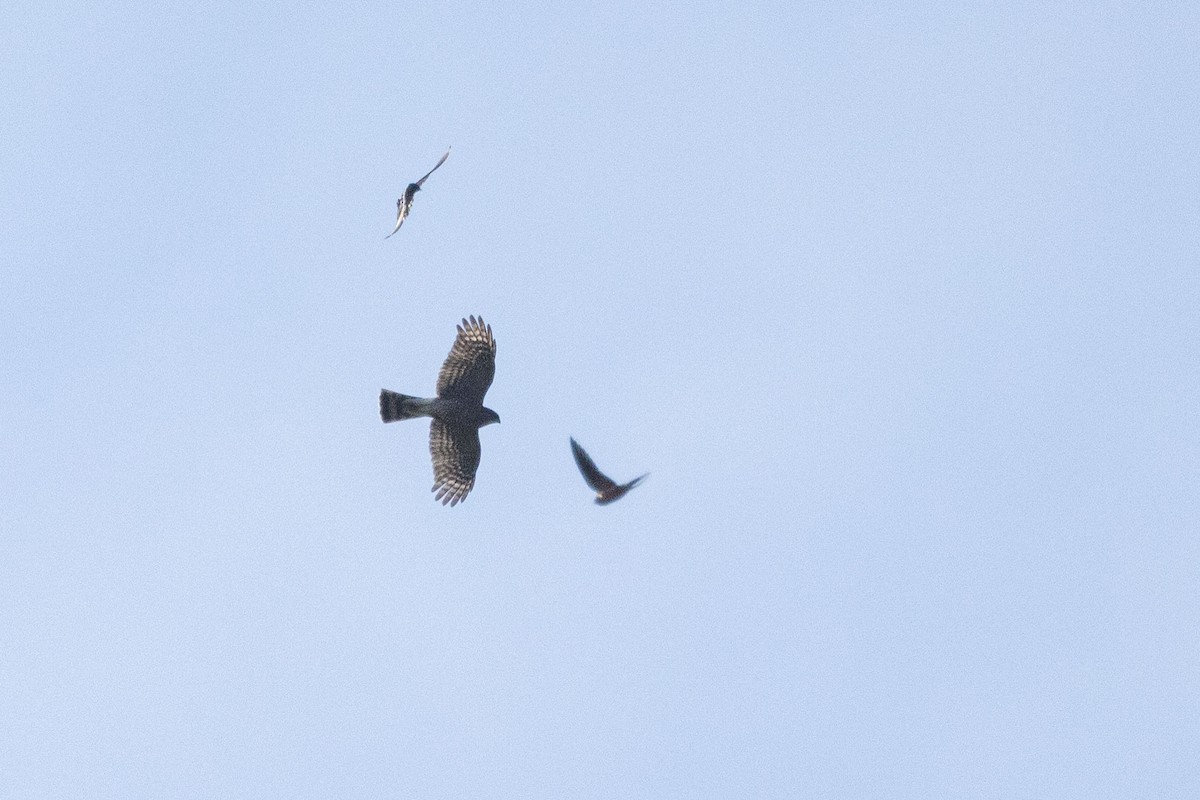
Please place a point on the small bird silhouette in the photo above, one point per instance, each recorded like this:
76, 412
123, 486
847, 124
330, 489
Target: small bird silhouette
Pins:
404, 204
607, 490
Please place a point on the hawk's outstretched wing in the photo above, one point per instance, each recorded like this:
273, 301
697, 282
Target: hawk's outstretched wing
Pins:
468, 370
455, 451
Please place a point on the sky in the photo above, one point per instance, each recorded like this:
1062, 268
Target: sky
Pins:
896, 302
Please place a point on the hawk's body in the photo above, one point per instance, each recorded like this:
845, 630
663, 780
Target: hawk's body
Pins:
458, 411
404, 204
607, 490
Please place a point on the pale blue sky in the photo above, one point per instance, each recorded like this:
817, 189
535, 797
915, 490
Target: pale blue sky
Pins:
896, 302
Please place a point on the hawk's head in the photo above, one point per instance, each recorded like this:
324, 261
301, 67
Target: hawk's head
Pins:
488, 417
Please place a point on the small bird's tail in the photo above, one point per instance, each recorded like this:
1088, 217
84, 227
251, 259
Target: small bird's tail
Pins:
394, 406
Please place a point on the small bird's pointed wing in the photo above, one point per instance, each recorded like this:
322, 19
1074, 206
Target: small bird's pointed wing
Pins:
596, 479
636, 481
401, 213
441, 161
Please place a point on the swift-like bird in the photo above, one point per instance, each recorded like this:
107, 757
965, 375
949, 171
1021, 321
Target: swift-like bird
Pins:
404, 204
607, 490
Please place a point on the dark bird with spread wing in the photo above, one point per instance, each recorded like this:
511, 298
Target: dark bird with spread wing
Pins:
458, 411
404, 204
607, 490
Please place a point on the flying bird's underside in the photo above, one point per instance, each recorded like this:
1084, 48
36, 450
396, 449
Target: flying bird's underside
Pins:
607, 490
404, 204
458, 411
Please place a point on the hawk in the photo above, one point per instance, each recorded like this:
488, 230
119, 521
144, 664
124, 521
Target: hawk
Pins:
458, 411
607, 490
404, 204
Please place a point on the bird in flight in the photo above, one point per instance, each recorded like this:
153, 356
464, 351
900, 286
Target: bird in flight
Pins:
404, 204
607, 490
458, 411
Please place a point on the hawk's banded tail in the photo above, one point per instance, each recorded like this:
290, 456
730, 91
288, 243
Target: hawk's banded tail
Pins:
394, 406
